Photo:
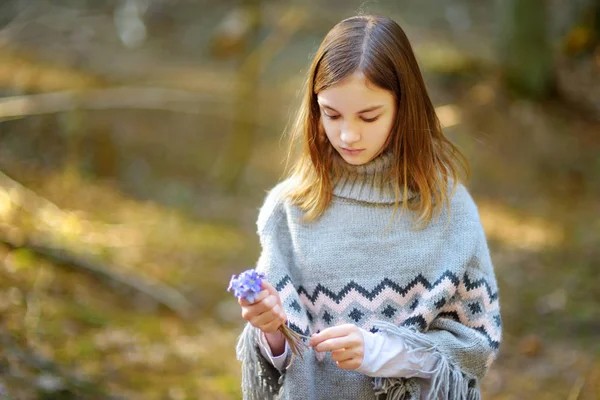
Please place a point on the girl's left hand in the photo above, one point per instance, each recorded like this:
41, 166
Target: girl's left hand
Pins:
345, 342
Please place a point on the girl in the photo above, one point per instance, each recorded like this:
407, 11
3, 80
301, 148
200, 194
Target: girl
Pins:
398, 305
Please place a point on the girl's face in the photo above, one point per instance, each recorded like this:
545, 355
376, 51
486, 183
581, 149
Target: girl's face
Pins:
358, 118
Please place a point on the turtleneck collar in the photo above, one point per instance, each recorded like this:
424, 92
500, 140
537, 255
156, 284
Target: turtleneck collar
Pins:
370, 182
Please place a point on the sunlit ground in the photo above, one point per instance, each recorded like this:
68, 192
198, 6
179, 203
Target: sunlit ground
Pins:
104, 292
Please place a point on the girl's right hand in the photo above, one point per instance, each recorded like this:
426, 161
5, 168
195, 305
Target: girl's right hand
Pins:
266, 313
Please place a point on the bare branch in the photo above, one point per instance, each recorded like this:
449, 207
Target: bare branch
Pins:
31, 202
105, 99
122, 98
159, 292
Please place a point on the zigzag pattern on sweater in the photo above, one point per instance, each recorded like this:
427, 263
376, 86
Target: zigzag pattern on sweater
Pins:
471, 302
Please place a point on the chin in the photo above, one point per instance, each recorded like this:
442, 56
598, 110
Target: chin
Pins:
354, 161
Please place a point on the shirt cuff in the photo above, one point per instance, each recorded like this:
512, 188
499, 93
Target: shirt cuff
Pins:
277, 361
389, 356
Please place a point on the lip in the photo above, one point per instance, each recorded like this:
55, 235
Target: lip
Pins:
352, 152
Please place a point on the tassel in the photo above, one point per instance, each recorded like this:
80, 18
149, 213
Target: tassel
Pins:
474, 394
448, 381
260, 381
396, 388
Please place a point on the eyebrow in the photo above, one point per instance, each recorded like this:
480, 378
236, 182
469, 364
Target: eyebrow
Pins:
372, 108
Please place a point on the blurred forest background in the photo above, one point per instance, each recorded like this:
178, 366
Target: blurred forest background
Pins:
138, 139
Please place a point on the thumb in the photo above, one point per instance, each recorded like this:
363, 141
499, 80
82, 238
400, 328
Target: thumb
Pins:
269, 288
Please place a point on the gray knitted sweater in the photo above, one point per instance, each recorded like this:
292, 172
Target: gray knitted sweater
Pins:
434, 287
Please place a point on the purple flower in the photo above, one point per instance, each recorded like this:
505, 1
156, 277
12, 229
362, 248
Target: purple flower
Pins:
247, 285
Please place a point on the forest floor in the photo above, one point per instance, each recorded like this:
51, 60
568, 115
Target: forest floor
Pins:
70, 330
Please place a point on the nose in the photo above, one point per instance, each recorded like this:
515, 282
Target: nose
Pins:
349, 134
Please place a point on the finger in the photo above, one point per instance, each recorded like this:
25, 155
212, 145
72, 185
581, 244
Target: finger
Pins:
269, 288
276, 312
261, 313
260, 296
264, 318
350, 364
341, 355
333, 344
347, 354
266, 304
273, 326
329, 333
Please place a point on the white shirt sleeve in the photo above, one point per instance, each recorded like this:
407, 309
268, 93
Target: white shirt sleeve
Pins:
388, 356
277, 361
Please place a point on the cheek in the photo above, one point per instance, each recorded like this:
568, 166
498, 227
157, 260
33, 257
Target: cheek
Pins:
329, 127
386, 128
379, 131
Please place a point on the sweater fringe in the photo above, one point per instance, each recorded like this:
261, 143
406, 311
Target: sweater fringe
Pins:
396, 388
447, 382
260, 380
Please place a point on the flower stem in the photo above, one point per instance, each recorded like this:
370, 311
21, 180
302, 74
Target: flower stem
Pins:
294, 340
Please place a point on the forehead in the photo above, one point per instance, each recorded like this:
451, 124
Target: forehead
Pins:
354, 93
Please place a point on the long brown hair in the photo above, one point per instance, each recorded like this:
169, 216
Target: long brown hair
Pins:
425, 160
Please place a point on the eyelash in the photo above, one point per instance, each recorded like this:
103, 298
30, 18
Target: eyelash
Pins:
334, 117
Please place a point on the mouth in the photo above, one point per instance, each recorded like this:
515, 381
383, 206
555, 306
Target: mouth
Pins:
352, 152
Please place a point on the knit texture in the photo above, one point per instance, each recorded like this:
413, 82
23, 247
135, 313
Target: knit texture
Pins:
435, 287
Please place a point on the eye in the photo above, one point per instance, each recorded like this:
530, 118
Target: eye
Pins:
370, 119
331, 116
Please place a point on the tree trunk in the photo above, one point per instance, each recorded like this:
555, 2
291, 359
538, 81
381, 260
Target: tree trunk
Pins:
239, 147
525, 52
